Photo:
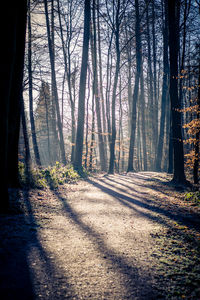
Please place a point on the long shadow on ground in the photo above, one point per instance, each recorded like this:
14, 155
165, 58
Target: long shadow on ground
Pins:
18, 241
136, 285
155, 213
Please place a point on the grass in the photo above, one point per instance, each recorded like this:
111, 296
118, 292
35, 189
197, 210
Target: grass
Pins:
178, 262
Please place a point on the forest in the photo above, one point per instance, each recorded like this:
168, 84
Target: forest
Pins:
100, 117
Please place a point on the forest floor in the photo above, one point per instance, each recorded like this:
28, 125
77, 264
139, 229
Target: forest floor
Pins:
128, 236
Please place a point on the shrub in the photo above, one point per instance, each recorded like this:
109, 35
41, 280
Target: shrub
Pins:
52, 176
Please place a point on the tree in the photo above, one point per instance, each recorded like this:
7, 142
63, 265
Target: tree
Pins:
136, 87
31, 115
173, 18
82, 87
116, 28
54, 83
97, 90
165, 85
12, 29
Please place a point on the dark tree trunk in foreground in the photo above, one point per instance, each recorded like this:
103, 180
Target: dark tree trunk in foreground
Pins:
12, 29
82, 86
136, 88
178, 173
15, 98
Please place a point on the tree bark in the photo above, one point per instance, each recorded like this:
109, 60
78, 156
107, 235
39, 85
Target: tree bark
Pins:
178, 173
54, 84
197, 137
113, 135
103, 161
31, 115
164, 92
136, 88
82, 86
12, 29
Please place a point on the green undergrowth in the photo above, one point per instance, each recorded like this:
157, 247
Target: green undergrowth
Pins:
52, 176
178, 262
193, 198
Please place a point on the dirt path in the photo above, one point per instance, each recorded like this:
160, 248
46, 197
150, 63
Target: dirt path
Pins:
90, 240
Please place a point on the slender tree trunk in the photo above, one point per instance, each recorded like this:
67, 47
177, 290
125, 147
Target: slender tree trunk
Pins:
150, 87
136, 88
178, 174
164, 92
108, 85
155, 102
54, 84
87, 124
31, 115
92, 136
113, 136
83, 76
197, 137
96, 92
26, 142
67, 61
143, 121
105, 137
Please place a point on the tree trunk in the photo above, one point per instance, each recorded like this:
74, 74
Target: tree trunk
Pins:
31, 115
178, 174
12, 29
164, 92
113, 135
67, 61
197, 137
105, 137
136, 88
54, 84
82, 86
143, 121
155, 102
26, 142
103, 161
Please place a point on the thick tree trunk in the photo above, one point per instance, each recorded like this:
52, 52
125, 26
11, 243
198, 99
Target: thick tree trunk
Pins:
12, 28
83, 76
15, 98
178, 174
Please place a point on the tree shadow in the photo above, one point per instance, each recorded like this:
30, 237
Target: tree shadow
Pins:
139, 287
20, 249
154, 212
